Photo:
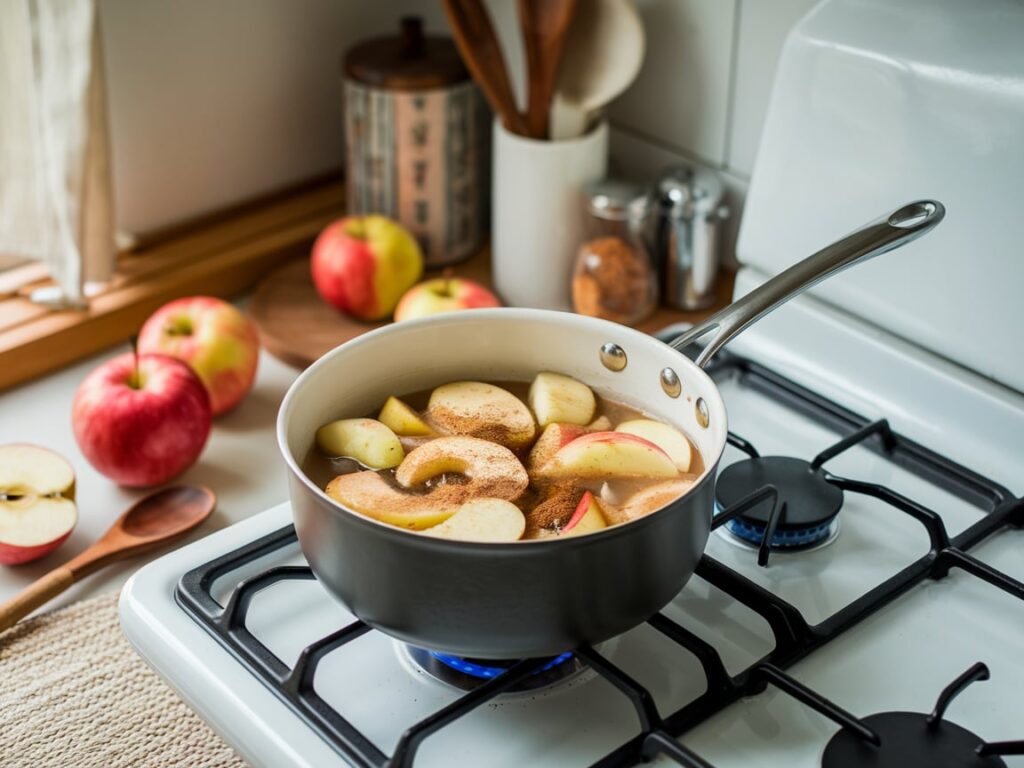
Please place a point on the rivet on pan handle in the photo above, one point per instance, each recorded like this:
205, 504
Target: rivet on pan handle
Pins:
876, 237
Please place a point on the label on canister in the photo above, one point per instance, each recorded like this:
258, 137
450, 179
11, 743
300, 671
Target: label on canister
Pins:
419, 157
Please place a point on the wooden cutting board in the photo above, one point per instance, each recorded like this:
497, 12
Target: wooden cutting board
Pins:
297, 326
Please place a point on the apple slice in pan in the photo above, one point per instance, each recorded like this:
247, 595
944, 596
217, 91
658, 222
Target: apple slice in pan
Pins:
554, 437
668, 438
37, 507
484, 470
488, 520
366, 440
371, 495
647, 500
557, 398
397, 416
478, 409
489, 469
587, 518
609, 456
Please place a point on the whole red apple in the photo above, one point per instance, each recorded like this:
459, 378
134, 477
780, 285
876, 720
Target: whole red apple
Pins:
141, 426
362, 265
443, 294
218, 342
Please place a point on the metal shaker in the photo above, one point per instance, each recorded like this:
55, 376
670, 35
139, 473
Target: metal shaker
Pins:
689, 213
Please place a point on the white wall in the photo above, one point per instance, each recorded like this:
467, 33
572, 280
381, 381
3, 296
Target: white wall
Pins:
214, 102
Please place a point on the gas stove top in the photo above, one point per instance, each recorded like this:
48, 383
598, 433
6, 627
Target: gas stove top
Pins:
854, 576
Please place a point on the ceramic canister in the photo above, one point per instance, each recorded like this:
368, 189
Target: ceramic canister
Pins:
416, 132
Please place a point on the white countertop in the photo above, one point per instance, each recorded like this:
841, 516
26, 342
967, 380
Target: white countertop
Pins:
240, 464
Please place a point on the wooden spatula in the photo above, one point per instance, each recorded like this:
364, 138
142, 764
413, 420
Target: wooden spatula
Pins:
545, 26
478, 44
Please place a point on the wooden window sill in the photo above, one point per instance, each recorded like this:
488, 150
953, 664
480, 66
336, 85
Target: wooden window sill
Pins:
222, 255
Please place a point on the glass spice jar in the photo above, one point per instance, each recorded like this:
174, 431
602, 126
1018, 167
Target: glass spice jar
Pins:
614, 278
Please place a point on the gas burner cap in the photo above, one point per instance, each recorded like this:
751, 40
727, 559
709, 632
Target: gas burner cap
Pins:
907, 741
812, 503
467, 674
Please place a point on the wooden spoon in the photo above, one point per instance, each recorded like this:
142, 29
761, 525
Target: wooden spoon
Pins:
478, 44
545, 25
603, 54
150, 522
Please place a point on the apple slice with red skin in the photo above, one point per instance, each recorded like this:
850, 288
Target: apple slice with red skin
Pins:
37, 507
554, 437
665, 436
586, 519
609, 456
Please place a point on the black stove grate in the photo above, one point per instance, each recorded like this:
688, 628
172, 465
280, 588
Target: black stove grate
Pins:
657, 734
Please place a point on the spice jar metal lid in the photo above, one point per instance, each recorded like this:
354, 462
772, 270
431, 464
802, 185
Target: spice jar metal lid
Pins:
616, 200
687, 191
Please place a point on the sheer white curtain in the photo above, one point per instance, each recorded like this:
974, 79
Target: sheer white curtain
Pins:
55, 182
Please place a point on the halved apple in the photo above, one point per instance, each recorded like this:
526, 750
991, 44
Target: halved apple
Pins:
586, 519
489, 520
37, 507
668, 438
557, 398
478, 409
397, 416
366, 440
551, 439
609, 456
370, 494
491, 470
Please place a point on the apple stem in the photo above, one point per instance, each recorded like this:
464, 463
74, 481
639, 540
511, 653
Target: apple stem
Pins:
134, 341
447, 276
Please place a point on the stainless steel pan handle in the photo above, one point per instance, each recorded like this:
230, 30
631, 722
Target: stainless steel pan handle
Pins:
881, 235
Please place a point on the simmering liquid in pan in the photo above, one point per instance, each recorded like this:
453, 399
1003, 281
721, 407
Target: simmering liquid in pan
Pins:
504, 461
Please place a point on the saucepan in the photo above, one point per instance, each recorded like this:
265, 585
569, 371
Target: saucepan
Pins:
538, 597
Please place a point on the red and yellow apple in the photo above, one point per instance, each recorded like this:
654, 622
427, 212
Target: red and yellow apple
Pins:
37, 502
362, 265
217, 341
141, 425
443, 294
609, 456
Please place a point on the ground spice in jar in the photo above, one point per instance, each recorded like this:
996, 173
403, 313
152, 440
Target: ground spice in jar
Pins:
613, 280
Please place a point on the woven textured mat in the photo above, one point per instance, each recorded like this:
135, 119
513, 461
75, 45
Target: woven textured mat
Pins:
73, 692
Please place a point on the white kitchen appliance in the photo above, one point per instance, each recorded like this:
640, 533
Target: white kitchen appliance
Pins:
821, 636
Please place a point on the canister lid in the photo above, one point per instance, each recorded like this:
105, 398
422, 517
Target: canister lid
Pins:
689, 190
617, 200
409, 61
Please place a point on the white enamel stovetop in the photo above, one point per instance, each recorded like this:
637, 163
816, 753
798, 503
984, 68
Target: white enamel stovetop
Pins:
900, 658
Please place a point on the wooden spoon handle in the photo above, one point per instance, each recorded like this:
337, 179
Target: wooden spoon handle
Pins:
35, 595
481, 52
